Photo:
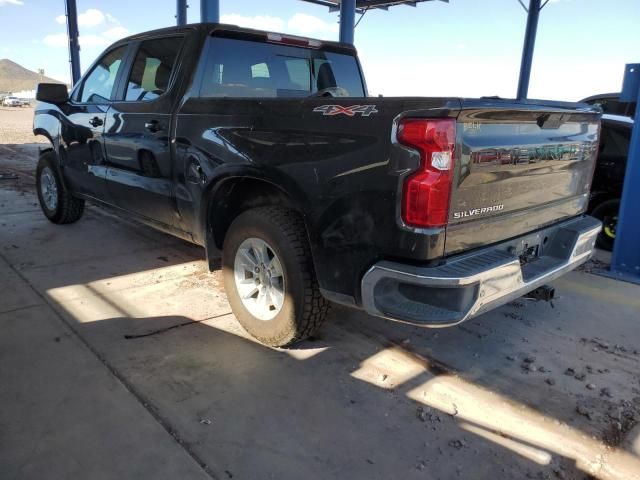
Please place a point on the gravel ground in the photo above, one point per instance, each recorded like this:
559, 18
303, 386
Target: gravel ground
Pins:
15, 126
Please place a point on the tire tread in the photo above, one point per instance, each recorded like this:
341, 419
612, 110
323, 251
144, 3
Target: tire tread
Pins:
70, 208
315, 307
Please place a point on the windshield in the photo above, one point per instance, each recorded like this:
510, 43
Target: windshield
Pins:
242, 68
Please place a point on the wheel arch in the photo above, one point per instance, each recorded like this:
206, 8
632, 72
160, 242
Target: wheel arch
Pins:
47, 122
233, 195
56, 162
600, 197
40, 131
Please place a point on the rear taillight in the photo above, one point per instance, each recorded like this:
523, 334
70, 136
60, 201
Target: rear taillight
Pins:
426, 193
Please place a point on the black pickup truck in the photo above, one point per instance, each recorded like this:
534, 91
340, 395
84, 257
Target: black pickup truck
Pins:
266, 146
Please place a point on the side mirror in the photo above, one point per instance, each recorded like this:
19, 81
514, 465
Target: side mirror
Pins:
55, 93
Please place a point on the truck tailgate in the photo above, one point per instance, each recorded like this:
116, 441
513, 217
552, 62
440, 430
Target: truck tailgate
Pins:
518, 168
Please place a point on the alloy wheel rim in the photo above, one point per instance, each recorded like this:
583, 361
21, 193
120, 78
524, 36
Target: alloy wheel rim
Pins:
610, 224
49, 189
259, 278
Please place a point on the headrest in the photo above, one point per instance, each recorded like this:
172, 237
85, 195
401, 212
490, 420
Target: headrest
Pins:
326, 79
163, 73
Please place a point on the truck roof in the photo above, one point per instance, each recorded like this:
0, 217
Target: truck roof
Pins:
239, 32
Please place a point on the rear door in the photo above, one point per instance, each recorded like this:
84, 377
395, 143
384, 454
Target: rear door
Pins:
137, 134
519, 168
82, 127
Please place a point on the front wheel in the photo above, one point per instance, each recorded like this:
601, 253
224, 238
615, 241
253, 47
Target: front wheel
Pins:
57, 204
607, 213
269, 276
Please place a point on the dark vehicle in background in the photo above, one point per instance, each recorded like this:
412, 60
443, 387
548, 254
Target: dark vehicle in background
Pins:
610, 103
617, 123
608, 178
427, 211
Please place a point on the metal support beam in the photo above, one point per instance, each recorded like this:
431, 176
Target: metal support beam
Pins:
181, 12
74, 45
347, 20
210, 11
527, 50
625, 262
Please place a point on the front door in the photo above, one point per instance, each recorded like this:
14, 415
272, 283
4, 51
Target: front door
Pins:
137, 134
83, 127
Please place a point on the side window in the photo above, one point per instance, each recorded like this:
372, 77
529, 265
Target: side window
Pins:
98, 85
152, 69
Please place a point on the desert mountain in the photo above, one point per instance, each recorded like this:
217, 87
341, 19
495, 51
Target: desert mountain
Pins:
14, 77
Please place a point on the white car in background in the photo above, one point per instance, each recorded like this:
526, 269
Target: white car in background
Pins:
11, 101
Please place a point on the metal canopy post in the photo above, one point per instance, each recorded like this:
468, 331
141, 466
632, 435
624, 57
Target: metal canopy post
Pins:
625, 262
74, 45
210, 11
181, 12
347, 20
533, 13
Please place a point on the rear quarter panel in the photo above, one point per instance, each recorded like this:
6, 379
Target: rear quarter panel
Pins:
341, 169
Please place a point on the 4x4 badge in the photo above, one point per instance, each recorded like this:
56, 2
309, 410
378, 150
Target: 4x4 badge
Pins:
350, 111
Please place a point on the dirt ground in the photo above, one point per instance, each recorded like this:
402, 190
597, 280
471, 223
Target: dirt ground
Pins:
120, 358
16, 126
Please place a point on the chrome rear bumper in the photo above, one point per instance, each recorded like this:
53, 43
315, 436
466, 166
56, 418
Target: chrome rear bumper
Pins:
470, 284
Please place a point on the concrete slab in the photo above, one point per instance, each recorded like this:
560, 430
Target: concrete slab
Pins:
17, 194
15, 293
103, 275
69, 244
368, 398
64, 415
162, 300
10, 203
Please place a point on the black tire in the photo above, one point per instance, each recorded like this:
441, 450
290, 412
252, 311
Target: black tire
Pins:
304, 308
607, 213
68, 209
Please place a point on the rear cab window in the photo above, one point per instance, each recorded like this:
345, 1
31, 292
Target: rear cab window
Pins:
245, 69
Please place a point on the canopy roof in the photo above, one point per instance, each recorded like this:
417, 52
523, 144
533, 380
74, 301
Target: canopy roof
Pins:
364, 5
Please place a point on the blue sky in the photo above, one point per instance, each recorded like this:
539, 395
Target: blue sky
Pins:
464, 48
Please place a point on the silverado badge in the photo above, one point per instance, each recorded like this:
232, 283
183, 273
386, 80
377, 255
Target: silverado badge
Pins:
477, 211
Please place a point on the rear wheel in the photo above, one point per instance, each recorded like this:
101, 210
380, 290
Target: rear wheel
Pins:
57, 204
269, 276
607, 213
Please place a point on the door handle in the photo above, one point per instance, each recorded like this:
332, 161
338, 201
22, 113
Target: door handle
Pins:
96, 122
153, 126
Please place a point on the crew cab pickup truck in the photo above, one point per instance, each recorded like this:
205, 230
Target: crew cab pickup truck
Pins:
267, 147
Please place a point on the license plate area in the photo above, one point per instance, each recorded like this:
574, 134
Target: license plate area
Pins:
530, 253
529, 248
